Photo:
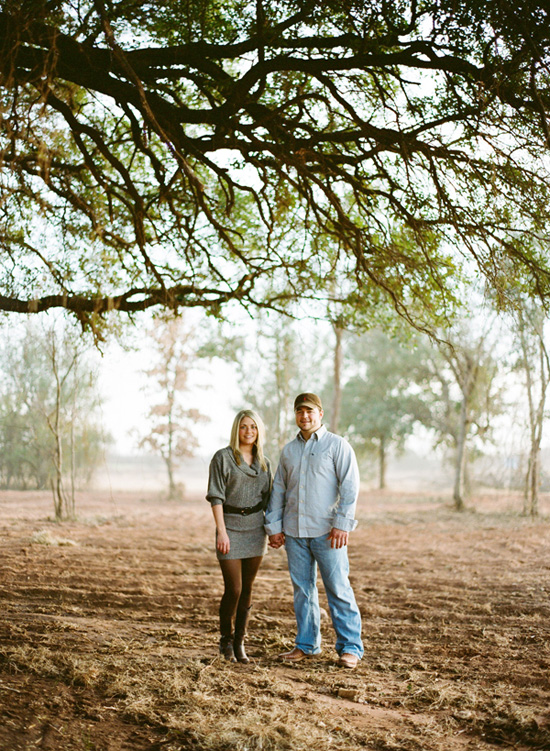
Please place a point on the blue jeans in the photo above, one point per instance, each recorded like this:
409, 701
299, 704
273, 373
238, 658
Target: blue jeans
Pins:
304, 555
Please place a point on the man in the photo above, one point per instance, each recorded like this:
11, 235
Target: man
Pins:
311, 512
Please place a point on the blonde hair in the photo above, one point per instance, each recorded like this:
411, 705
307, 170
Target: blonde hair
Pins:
258, 447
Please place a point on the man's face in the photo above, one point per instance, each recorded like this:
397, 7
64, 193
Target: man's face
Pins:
308, 419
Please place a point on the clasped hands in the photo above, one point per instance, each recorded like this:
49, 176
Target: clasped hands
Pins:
338, 539
276, 541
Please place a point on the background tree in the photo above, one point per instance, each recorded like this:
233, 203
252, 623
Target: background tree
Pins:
534, 362
199, 153
25, 456
338, 358
275, 358
284, 359
64, 504
467, 393
50, 430
382, 401
172, 421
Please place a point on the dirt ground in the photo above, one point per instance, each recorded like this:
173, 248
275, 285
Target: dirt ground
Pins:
108, 632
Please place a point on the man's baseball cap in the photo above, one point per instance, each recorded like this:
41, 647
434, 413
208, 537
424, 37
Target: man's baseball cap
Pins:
307, 400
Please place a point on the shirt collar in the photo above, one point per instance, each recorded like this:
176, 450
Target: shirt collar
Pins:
319, 433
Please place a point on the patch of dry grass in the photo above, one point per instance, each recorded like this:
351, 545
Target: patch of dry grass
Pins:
122, 630
204, 703
45, 537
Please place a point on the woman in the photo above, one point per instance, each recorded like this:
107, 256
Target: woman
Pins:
239, 484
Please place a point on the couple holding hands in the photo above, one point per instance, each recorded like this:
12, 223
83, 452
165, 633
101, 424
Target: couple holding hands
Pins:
309, 507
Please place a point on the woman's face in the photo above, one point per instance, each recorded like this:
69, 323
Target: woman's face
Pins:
248, 432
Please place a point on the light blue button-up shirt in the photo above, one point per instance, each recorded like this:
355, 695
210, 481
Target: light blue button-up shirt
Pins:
315, 487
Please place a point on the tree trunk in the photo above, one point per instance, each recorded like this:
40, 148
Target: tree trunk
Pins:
460, 460
337, 400
532, 482
171, 483
169, 458
532, 488
73, 444
73, 468
282, 382
382, 464
169, 461
536, 412
57, 484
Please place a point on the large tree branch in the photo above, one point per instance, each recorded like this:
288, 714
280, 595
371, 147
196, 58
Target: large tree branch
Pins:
269, 138
134, 300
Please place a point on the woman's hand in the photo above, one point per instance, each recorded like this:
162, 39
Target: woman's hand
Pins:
222, 538
222, 542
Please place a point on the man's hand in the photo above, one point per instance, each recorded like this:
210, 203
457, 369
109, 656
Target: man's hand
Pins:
338, 538
276, 541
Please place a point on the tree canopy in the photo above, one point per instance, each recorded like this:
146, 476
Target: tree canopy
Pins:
192, 152
384, 399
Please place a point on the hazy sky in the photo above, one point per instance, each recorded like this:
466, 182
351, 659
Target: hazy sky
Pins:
215, 393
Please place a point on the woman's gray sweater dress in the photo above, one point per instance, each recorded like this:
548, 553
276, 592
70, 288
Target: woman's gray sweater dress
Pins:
240, 486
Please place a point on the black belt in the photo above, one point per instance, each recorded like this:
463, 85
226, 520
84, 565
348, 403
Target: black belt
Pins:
243, 510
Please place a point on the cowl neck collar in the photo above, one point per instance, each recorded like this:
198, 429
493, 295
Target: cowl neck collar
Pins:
252, 470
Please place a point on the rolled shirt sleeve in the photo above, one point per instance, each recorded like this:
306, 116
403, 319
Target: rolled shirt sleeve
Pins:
347, 472
276, 504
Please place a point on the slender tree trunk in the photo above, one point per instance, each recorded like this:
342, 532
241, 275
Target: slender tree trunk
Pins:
382, 464
337, 400
537, 420
169, 456
532, 475
531, 505
73, 442
467, 381
282, 375
57, 506
460, 460
63, 509
60, 501
73, 468
55, 426
536, 412
171, 483
172, 494
529, 486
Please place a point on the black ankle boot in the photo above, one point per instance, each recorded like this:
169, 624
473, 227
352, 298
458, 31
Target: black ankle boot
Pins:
240, 654
226, 648
241, 623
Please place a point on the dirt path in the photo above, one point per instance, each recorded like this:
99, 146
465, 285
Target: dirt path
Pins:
108, 633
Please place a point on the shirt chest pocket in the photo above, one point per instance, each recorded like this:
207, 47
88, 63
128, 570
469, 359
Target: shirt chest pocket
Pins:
321, 463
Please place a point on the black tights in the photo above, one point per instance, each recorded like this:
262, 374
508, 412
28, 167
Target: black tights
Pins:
238, 577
